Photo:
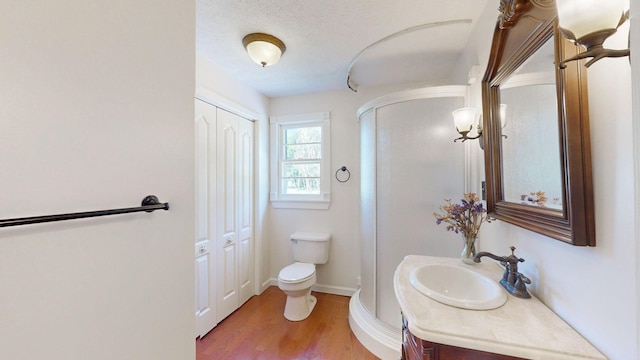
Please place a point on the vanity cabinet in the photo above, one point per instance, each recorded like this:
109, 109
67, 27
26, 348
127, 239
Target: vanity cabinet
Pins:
414, 348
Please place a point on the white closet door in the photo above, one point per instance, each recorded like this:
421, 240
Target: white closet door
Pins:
205, 289
245, 211
234, 212
226, 214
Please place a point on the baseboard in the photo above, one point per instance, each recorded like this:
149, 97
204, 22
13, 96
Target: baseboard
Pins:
335, 290
327, 289
266, 284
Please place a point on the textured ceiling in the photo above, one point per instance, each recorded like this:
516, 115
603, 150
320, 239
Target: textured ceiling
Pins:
324, 37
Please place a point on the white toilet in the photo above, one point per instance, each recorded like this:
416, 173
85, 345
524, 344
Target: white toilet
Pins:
296, 279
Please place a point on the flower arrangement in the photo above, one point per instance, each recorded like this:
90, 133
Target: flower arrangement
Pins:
465, 218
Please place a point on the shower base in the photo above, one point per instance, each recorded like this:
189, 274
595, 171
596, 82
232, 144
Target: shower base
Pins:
381, 339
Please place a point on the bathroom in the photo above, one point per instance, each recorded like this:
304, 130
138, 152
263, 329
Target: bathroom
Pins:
576, 282
596, 290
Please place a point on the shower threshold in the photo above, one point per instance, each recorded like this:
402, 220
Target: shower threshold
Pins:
382, 340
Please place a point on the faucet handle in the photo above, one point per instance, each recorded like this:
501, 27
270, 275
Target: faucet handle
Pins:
523, 279
519, 288
513, 259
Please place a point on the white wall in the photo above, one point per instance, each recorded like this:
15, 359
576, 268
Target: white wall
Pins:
342, 220
233, 92
593, 289
96, 113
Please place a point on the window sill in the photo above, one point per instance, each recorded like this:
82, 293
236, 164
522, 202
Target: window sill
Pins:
301, 204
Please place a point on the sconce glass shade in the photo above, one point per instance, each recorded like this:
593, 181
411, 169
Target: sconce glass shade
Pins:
264, 49
583, 17
590, 23
464, 119
503, 115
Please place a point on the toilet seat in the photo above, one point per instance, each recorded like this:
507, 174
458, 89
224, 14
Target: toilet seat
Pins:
297, 272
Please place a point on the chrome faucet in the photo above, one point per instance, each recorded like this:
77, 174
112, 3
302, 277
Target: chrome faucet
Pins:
512, 280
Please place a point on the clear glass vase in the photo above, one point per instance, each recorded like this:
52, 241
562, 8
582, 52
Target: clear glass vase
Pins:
469, 249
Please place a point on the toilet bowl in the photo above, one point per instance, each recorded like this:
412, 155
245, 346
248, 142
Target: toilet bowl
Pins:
296, 281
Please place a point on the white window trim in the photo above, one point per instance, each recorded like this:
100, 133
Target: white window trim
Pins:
320, 201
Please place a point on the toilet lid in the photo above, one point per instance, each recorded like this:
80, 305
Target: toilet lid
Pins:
297, 272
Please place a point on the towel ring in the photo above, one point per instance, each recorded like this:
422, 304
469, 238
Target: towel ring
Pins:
343, 169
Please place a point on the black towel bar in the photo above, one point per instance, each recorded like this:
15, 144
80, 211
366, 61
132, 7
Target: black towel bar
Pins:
149, 204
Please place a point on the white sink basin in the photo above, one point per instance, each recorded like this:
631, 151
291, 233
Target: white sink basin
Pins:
458, 286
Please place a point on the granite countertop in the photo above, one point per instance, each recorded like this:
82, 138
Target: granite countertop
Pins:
521, 327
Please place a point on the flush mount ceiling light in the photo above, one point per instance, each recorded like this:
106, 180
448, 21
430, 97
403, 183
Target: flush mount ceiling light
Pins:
590, 23
264, 49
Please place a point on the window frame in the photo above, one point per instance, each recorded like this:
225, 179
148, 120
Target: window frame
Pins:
299, 201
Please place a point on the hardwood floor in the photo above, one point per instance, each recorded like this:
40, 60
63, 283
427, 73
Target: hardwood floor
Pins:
258, 330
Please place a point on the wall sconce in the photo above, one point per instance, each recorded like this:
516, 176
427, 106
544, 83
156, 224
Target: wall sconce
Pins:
590, 23
465, 118
264, 49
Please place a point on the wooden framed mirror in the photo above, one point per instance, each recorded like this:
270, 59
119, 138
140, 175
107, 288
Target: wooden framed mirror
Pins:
538, 165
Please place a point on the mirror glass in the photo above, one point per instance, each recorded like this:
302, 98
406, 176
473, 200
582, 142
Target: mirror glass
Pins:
530, 143
538, 155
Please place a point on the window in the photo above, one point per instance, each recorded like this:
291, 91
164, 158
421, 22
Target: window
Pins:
300, 161
301, 155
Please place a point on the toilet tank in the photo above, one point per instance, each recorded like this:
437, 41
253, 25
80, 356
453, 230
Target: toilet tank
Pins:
312, 248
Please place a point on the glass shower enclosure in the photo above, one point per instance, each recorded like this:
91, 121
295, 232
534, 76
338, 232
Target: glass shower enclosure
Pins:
409, 165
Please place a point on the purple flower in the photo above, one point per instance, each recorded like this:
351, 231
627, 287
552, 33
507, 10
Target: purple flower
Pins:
466, 217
